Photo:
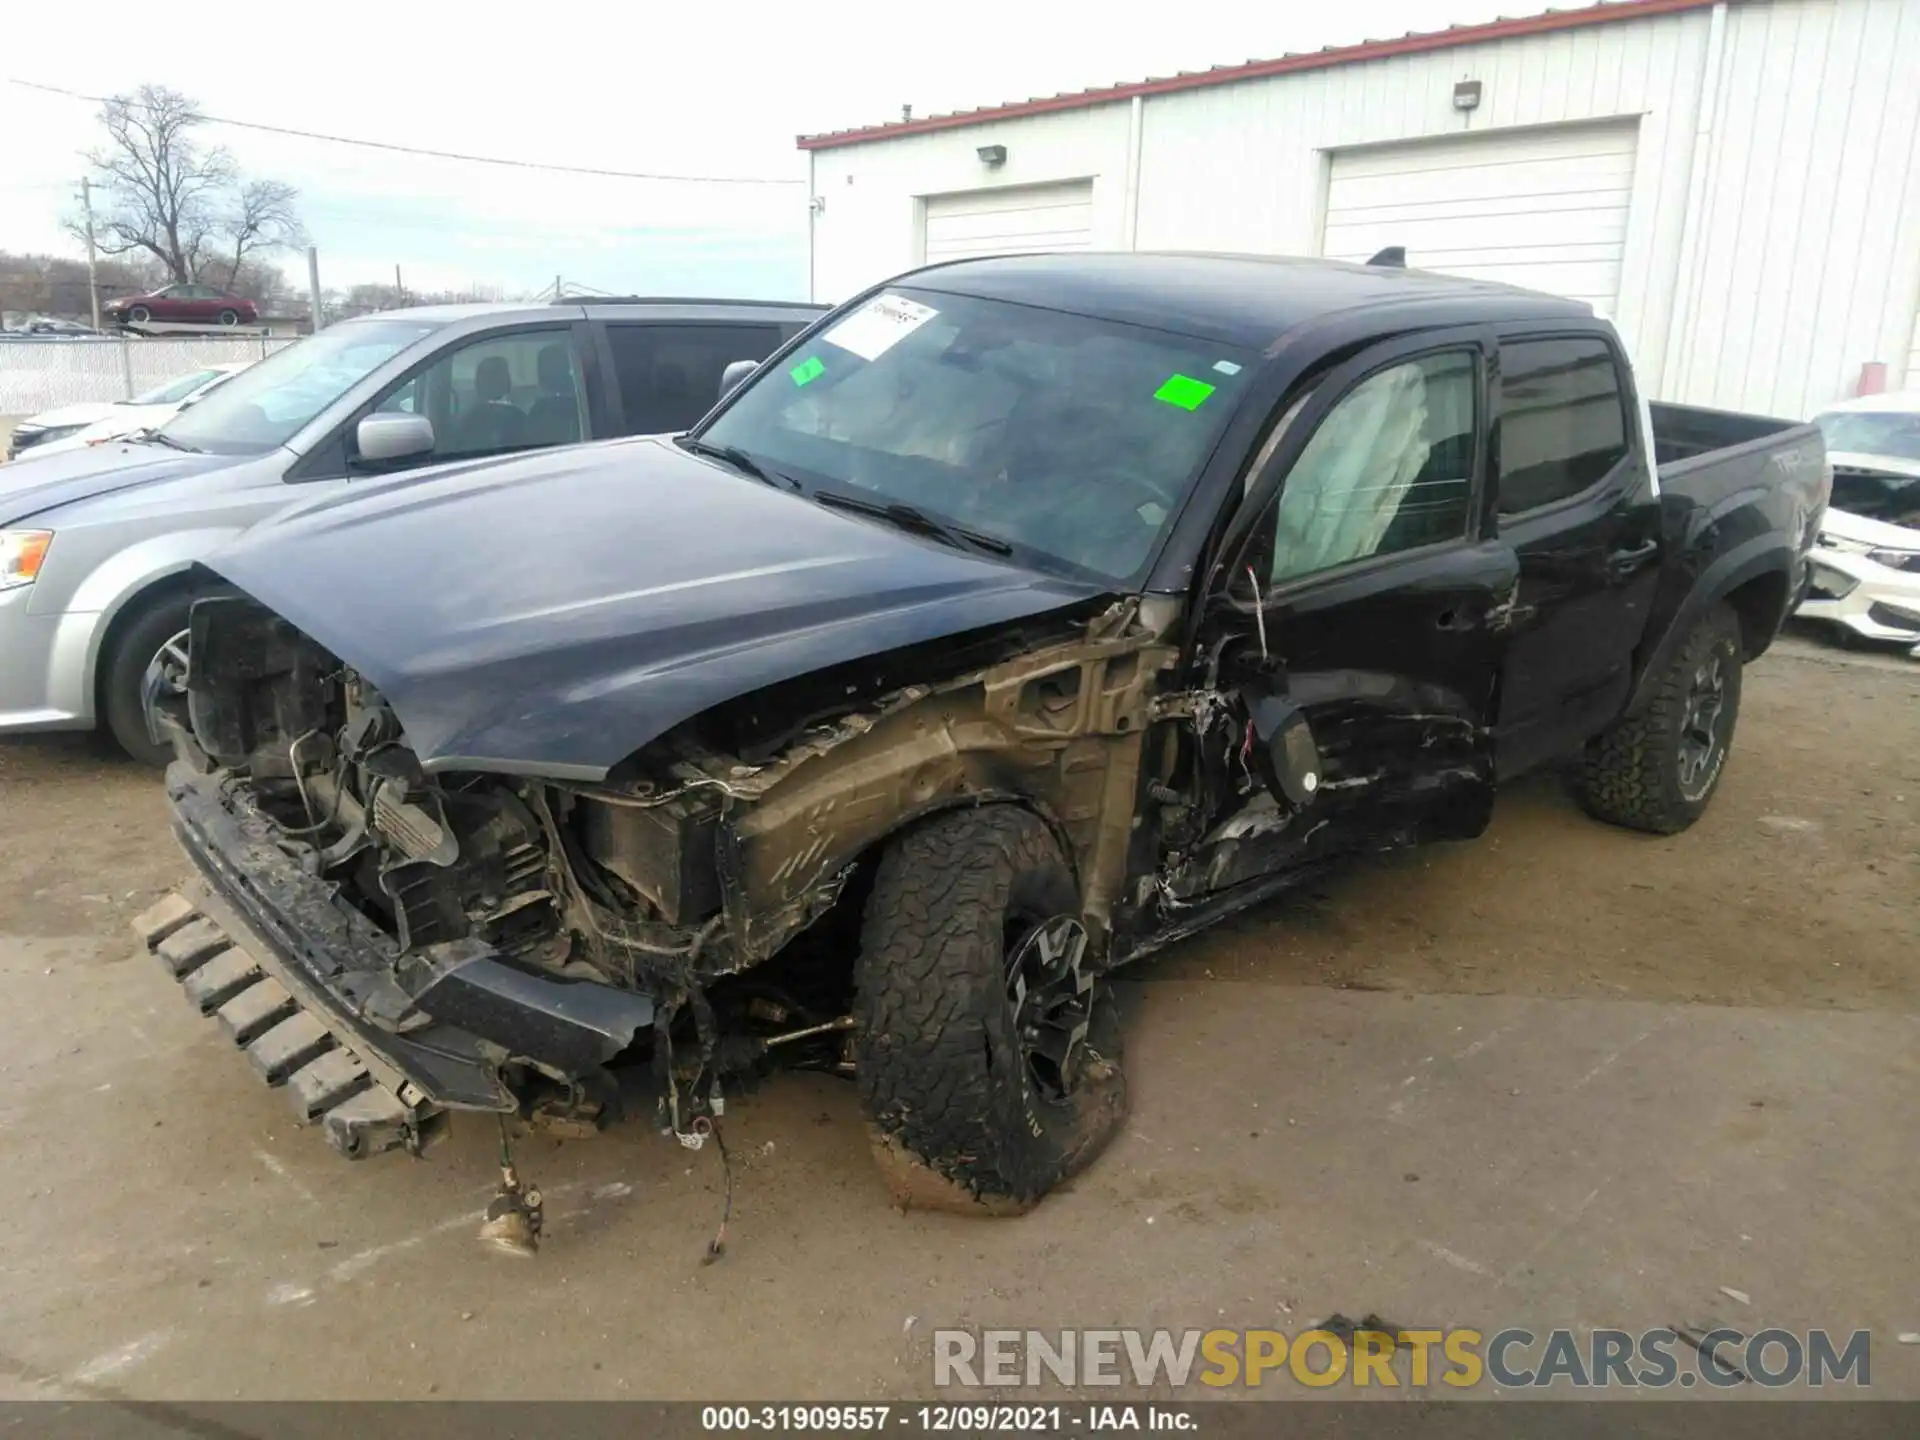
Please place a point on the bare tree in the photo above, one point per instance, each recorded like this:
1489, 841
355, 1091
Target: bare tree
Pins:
166, 195
262, 218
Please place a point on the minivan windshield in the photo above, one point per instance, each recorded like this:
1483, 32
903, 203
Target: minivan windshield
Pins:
1070, 438
267, 404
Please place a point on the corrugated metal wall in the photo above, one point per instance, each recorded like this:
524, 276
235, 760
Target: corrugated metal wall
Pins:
1250, 161
1809, 265
1773, 235
873, 198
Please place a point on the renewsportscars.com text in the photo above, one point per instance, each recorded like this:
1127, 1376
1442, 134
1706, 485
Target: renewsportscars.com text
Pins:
1513, 1358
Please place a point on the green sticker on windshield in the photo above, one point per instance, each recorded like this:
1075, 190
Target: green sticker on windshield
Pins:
1184, 391
808, 370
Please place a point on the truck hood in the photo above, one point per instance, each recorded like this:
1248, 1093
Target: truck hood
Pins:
33, 485
550, 614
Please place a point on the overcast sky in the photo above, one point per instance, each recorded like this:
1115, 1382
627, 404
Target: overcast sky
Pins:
712, 88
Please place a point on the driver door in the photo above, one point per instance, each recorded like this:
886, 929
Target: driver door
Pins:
1367, 600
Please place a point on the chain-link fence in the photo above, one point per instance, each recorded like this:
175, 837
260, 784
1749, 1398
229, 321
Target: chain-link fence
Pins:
37, 375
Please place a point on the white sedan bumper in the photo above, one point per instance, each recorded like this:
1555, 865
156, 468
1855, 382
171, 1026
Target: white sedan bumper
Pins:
1866, 577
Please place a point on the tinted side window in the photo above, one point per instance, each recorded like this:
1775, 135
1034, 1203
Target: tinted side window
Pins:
669, 375
1390, 468
505, 392
1563, 420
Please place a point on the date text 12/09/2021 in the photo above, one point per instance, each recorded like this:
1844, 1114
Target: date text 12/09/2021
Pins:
945, 1419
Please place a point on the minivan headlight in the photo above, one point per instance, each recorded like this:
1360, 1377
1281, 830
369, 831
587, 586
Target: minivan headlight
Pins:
22, 552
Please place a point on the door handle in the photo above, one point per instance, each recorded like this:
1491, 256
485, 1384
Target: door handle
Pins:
1622, 563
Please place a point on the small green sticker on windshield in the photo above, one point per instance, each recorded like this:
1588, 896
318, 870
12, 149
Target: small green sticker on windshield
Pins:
1184, 391
808, 370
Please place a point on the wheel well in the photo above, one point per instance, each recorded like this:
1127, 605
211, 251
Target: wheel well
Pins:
130, 610
1761, 605
828, 948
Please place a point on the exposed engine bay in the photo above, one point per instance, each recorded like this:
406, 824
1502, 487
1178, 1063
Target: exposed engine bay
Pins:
598, 887
725, 845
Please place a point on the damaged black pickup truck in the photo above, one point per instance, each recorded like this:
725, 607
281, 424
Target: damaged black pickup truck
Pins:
1021, 616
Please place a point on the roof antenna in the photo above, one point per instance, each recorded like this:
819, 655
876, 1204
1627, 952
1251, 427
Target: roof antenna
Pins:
1394, 256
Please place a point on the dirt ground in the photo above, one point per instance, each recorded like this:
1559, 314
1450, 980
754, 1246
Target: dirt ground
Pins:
1564, 1075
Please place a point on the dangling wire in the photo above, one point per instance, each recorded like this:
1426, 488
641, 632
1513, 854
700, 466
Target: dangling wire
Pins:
717, 1246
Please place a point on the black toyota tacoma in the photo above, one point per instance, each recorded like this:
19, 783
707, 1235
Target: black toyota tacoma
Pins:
1019, 617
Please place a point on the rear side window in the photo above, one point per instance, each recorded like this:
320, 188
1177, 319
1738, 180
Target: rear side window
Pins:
1563, 420
669, 375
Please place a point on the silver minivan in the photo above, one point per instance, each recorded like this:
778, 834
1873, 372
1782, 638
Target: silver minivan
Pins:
98, 547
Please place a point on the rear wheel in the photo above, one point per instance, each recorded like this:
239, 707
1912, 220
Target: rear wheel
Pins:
989, 1054
157, 633
1656, 769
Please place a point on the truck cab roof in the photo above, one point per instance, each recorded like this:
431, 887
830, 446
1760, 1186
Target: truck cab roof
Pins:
1247, 301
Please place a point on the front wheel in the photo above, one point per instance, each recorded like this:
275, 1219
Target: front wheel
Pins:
139, 315
989, 1053
158, 632
1656, 769
229, 317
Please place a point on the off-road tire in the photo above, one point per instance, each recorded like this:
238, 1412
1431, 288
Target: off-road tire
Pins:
956, 1119
124, 668
1630, 773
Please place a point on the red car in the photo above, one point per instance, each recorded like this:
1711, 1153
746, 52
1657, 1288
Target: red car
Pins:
188, 303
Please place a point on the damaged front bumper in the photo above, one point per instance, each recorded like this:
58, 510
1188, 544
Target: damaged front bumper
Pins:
372, 1045
1874, 592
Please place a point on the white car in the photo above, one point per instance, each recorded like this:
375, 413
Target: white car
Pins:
73, 427
1866, 565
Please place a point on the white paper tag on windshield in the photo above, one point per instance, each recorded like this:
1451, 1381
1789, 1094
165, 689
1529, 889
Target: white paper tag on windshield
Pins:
879, 325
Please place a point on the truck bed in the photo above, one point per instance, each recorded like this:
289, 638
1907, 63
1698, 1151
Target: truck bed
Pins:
1736, 491
1683, 433
1719, 459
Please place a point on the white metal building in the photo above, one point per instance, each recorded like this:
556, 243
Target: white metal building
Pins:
1736, 182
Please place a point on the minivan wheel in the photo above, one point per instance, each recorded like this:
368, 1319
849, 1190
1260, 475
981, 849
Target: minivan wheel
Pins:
157, 633
1656, 769
988, 1050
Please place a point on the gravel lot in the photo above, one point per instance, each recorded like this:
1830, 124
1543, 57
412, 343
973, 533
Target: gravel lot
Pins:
1563, 1076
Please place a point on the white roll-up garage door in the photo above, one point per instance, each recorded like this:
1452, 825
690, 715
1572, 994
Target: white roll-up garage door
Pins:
1546, 209
1009, 220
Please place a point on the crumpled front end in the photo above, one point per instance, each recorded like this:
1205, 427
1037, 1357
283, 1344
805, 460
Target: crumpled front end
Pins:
569, 950
420, 944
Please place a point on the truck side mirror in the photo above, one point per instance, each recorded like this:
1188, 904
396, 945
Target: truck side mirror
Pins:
735, 375
379, 439
1287, 746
